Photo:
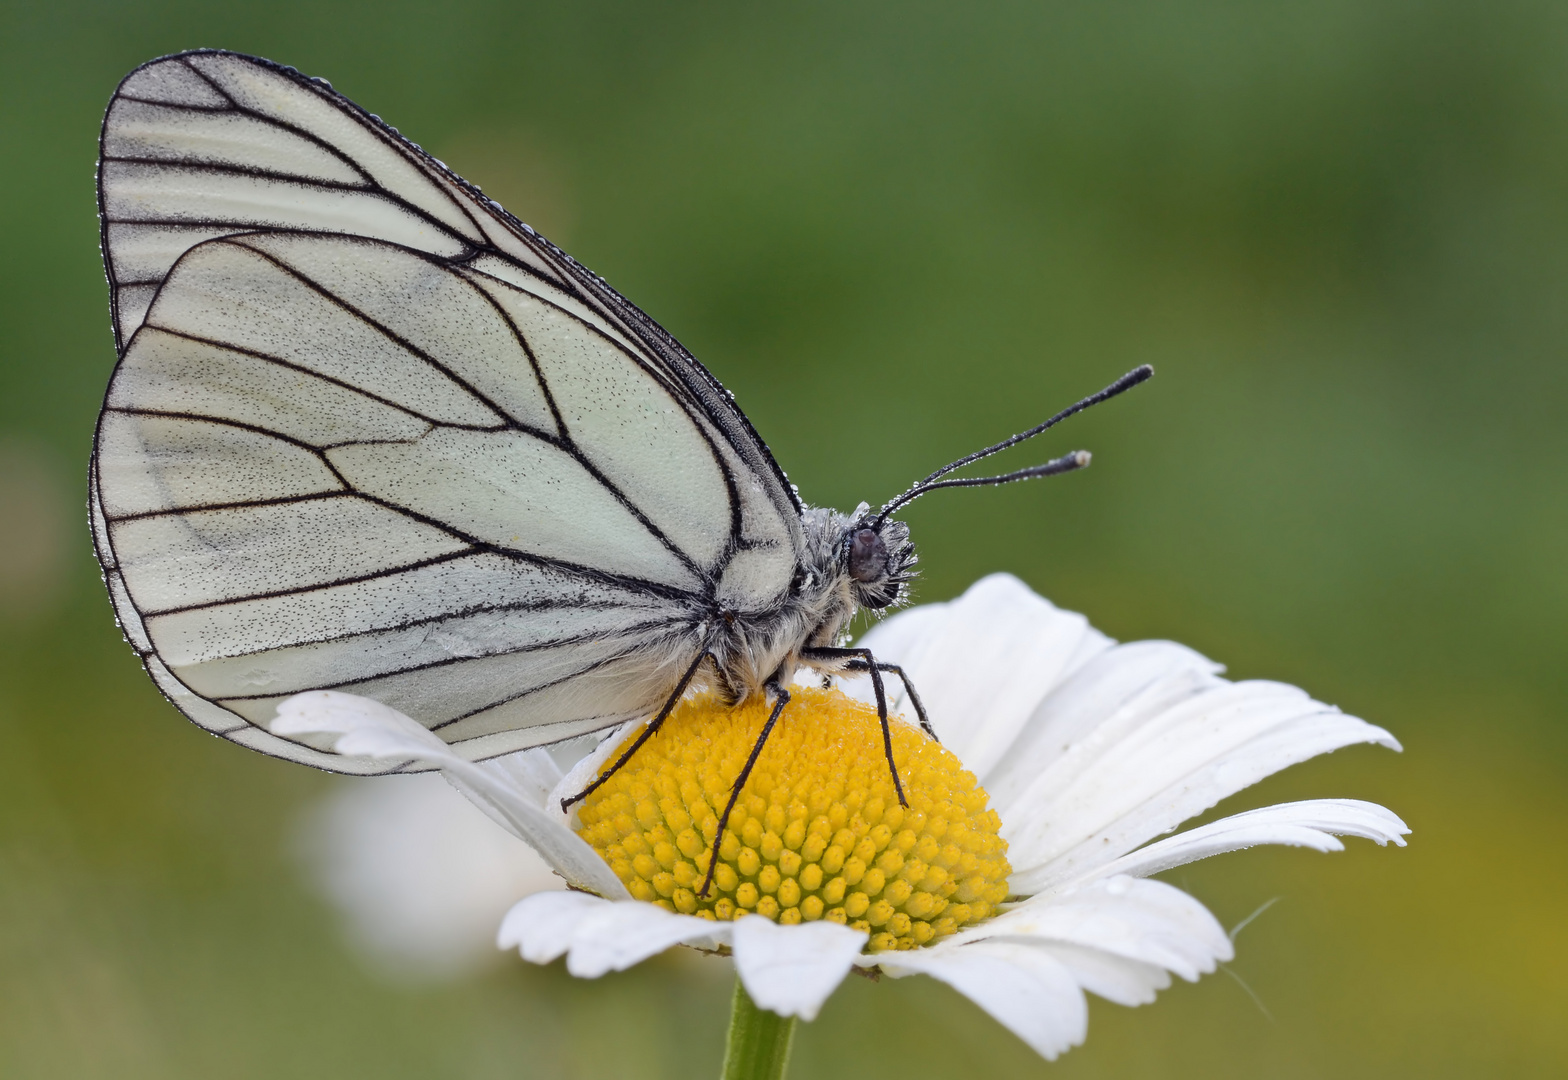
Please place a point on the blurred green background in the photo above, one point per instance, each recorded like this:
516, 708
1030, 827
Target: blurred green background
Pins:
899, 230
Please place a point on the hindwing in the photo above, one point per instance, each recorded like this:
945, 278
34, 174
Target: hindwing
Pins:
370, 432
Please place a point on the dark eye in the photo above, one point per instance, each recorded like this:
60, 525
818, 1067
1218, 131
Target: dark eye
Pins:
867, 556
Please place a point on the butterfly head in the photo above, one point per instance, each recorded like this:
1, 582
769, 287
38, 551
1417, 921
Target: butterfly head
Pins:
878, 558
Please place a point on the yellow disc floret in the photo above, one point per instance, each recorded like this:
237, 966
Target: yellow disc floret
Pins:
817, 833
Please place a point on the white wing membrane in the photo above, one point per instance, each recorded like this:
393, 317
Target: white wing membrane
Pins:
273, 96
229, 293
421, 645
259, 201
515, 492
144, 252
468, 698
369, 432
437, 314
619, 411
417, 595
224, 143
161, 133
178, 560
153, 464
168, 80
488, 268
175, 374
131, 304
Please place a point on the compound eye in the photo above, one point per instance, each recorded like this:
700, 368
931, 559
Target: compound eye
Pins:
867, 556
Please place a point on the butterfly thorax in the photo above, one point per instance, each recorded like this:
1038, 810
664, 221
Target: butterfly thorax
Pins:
847, 562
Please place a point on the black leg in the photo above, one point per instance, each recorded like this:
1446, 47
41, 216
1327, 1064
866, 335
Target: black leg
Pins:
909, 688
647, 733
862, 660
781, 699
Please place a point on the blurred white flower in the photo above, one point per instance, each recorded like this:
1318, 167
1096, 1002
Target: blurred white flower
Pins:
36, 507
419, 875
1089, 750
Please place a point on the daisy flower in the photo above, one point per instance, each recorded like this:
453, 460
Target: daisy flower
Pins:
1019, 872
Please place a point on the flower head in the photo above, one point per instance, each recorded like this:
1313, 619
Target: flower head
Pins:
818, 832
1080, 750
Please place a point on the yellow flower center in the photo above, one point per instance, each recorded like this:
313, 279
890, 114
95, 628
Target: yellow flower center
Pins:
817, 833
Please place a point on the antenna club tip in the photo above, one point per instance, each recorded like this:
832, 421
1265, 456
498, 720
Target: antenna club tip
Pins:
1081, 459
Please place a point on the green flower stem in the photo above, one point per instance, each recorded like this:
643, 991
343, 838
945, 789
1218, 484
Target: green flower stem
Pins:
758, 1045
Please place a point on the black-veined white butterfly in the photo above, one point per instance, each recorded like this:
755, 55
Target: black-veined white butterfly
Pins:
370, 432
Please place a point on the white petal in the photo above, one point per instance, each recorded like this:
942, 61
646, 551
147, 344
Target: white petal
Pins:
615, 936
533, 772
586, 770
1148, 922
421, 877
1114, 978
365, 728
1028, 990
1314, 823
983, 662
599, 935
1088, 750
543, 926
370, 729
1142, 772
791, 970
1122, 686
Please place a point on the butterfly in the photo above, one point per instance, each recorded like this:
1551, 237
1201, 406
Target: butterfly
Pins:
370, 432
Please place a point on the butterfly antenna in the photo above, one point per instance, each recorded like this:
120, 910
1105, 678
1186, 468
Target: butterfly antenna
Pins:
1066, 463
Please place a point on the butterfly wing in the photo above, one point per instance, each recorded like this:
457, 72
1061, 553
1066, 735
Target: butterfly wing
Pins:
369, 432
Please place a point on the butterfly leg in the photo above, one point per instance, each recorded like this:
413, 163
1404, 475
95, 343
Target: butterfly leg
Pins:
909, 688
647, 733
862, 660
780, 699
